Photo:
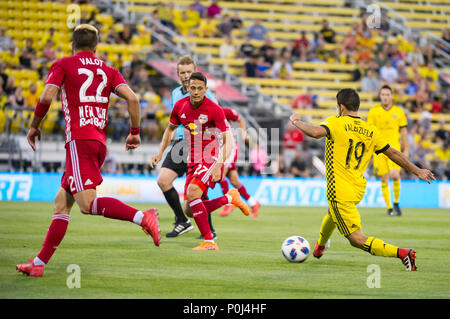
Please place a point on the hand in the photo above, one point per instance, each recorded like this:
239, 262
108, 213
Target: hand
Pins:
155, 160
426, 175
132, 142
31, 137
216, 173
295, 117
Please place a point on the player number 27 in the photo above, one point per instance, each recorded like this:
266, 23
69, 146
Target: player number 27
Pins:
90, 76
358, 152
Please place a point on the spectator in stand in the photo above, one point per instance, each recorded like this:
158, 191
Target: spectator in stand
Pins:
214, 9
112, 37
327, 32
10, 86
250, 67
6, 42
193, 15
262, 67
304, 100
282, 68
415, 57
270, 55
225, 27
125, 35
48, 53
166, 14
445, 45
278, 167
446, 104
207, 28
257, 31
200, 8
292, 138
436, 105
301, 46
246, 49
388, 73
28, 58
17, 99
403, 76
300, 165
236, 21
290, 48
227, 49
11, 58
32, 97
183, 24
441, 134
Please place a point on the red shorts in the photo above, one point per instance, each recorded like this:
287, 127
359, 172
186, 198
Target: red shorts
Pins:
83, 161
202, 174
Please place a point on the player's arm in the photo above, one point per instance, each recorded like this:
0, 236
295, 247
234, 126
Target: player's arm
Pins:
400, 159
316, 131
40, 111
243, 128
134, 110
404, 141
167, 137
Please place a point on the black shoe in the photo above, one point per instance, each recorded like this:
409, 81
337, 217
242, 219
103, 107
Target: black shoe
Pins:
390, 212
397, 209
180, 229
213, 234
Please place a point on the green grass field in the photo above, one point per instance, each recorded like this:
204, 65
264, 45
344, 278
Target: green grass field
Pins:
117, 260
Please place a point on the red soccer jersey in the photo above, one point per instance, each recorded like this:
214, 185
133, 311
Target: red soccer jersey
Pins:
231, 115
86, 83
203, 123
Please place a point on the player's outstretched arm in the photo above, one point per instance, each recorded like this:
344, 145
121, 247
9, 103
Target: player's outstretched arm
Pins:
312, 130
400, 159
40, 111
134, 110
167, 137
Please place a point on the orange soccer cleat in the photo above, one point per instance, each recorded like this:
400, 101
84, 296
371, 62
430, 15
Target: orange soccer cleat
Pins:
226, 210
255, 209
207, 245
237, 201
30, 269
150, 225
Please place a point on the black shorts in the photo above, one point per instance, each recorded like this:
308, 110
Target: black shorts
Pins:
176, 158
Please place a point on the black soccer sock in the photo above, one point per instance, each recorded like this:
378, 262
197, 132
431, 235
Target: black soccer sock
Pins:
174, 202
210, 223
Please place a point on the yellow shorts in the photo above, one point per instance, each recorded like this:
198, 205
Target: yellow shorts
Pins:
382, 165
345, 215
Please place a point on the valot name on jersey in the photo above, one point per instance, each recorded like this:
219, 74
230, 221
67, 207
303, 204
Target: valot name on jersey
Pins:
90, 61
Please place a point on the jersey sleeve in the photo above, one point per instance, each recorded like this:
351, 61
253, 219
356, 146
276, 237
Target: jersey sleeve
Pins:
380, 143
329, 125
402, 121
117, 80
219, 119
55, 75
231, 115
174, 119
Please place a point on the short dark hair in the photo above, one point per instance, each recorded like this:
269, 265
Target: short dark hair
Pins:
198, 76
387, 87
349, 98
85, 36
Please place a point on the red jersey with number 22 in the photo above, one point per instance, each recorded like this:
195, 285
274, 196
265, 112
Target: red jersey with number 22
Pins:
86, 83
203, 123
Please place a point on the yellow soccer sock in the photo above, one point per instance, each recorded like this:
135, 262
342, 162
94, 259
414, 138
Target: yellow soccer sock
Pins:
326, 229
396, 189
377, 247
386, 194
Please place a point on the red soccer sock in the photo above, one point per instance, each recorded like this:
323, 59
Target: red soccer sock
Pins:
243, 191
224, 185
112, 208
213, 204
200, 215
55, 235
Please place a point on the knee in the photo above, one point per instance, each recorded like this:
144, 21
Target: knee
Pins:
357, 240
164, 183
85, 206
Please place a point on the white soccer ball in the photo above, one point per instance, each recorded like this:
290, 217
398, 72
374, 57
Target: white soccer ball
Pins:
295, 249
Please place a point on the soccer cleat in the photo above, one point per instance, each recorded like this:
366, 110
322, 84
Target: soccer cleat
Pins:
226, 210
397, 210
180, 229
390, 212
30, 269
207, 245
150, 225
408, 257
255, 209
237, 201
319, 250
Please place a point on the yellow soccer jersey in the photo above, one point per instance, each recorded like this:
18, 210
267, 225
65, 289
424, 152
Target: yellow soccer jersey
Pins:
349, 146
388, 122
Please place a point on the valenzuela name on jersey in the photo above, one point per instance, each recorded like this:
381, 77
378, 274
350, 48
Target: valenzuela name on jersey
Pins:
358, 129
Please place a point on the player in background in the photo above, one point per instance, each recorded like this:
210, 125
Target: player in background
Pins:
175, 162
209, 146
350, 143
230, 169
86, 83
391, 121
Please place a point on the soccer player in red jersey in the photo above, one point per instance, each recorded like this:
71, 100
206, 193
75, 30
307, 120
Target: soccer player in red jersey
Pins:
209, 146
86, 83
230, 169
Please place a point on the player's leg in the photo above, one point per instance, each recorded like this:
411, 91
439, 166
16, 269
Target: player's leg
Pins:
326, 229
252, 202
395, 176
55, 234
381, 169
228, 208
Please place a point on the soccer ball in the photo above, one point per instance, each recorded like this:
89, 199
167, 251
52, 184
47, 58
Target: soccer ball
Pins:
295, 249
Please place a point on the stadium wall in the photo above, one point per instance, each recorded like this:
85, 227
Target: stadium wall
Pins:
268, 190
